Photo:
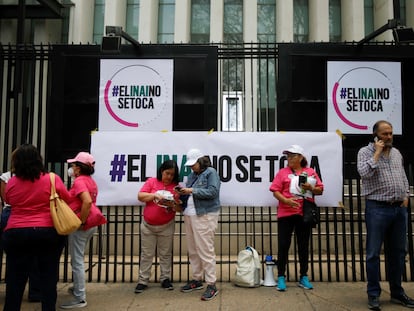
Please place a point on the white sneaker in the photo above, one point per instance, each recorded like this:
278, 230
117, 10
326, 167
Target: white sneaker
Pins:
74, 304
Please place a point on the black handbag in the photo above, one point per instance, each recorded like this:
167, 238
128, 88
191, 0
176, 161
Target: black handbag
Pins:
5, 214
310, 213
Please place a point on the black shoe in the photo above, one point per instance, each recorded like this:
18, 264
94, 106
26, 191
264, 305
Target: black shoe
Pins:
166, 284
403, 300
210, 293
374, 303
140, 288
192, 285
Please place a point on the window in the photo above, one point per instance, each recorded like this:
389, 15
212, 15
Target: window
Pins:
200, 21
266, 94
402, 13
232, 111
132, 18
369, 16
166, 17
335, 21
233, 21
266, 21
98, 21
65, 21
300, 21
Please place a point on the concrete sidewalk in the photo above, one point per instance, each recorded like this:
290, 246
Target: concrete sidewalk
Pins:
325, 296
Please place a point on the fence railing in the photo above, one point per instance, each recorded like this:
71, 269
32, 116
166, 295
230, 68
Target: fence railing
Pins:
337, 248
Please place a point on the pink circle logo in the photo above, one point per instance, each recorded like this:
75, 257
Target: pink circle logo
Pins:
135, 95
362, 93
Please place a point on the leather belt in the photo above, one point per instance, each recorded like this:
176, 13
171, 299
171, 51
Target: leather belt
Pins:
387, 203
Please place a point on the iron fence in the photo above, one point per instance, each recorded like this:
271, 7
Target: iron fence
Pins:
336, 249
337, 244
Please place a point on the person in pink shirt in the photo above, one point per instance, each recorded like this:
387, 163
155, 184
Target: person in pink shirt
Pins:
30, 233
34, 280
290, 187
158, 224
84, 192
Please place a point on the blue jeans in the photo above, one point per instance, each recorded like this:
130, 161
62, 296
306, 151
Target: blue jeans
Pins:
77, 244
385, 224
23, 246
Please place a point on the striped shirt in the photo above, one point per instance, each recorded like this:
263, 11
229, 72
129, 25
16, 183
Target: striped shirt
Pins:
384, 180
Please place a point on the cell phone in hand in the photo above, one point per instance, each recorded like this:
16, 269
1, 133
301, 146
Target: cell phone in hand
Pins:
178, 188
302, 179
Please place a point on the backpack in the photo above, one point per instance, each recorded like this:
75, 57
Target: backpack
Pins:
248, 268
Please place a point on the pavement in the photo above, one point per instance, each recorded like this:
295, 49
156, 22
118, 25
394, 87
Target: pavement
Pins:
329, 296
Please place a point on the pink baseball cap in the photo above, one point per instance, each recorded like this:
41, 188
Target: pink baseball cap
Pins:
83, 157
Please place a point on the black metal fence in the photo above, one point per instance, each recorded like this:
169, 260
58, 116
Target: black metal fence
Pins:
337, 244
337, 249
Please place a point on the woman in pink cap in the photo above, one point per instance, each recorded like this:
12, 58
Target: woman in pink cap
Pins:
83, 200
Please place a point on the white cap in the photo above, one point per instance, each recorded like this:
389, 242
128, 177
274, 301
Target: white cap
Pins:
294, 149
192, 156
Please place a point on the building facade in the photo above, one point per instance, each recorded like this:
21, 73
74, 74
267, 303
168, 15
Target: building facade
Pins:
212, 21
247, 96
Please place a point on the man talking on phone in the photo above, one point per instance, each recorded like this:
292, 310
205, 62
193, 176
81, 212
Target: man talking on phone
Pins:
386, 190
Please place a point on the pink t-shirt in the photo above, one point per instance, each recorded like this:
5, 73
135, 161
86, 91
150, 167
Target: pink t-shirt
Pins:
153, 213
29, 201
281, 183
82, 183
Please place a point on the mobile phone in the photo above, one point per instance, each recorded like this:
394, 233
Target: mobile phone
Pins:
178, 188
302, 179
376, 139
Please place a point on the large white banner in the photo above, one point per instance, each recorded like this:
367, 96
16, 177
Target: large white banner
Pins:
136, 95
361, 93
246, 162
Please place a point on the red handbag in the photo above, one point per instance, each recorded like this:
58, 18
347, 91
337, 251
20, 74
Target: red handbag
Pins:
95, 218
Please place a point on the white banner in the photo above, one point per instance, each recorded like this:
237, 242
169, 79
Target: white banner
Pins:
136, 95
246, 162
361, 93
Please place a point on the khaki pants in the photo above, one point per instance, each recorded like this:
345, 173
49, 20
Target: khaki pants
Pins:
158, 238
200, 231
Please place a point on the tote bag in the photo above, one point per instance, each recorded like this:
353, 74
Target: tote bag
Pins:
64, 219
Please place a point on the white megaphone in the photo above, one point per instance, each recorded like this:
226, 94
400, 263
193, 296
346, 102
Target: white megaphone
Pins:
269, 276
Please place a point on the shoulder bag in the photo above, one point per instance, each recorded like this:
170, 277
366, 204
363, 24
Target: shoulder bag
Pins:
64, 218
310, 213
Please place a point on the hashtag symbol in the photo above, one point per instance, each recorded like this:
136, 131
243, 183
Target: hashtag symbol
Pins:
118, 165
115, 90
343, 93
